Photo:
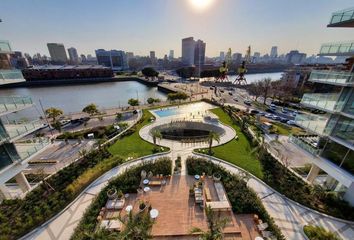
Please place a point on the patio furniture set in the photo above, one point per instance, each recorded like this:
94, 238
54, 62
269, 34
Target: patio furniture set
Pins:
262, 227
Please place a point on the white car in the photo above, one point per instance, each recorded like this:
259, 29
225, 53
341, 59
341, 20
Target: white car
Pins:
291, 122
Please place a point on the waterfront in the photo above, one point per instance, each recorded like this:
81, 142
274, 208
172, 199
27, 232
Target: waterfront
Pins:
73, 98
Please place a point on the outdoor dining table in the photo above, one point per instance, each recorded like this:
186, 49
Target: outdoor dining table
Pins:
147, 189
197, 177
154, 213
146, 181
129, 208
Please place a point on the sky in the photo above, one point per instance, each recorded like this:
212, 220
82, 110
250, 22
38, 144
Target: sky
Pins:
141, 26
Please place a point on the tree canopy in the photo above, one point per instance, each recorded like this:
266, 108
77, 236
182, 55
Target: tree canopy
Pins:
91, 109
53, 113
133, 102
177, 96
186, 72
150, 72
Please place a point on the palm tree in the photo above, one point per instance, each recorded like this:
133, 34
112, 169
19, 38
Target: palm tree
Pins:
136, 226
211, 137
156, 134
215, 225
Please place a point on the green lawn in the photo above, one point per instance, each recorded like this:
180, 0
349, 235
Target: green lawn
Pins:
286, 130
238, 151
133, 146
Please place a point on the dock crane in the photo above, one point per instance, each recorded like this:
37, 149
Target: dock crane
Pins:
241, 79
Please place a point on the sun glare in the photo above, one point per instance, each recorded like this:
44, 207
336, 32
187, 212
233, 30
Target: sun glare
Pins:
201, 4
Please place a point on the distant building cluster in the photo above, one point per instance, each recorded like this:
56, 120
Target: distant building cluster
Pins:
193, 52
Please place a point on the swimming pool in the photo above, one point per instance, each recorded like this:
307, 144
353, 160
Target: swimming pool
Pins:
188, 109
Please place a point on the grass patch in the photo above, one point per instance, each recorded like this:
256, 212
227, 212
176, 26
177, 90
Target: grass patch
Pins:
133, 146
238, 151
319, 233
286, 130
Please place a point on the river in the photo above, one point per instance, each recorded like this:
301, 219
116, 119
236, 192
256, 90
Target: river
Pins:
74, 98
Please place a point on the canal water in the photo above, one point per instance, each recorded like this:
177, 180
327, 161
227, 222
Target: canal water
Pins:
74, 98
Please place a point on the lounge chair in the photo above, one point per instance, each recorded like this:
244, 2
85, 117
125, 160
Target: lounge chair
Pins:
266, 234
262, 226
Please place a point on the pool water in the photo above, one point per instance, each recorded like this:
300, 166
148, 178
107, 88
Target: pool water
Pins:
183, 109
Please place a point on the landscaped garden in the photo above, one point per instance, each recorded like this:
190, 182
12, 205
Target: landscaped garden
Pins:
243, 199
238, 152
19, 216
131, 145
319, 233
128, 182
273, 172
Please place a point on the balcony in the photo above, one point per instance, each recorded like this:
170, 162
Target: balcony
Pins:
18, 130
29, 148
314, 123
11, 76
343, 18
325, 101
13, 104
303, 143
5, 47
332, 77
337, 49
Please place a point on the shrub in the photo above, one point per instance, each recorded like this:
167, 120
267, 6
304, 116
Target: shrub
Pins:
319, 233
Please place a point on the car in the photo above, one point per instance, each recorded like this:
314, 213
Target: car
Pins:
235, 99
230, 93
261, 113
211, 88
291, 122
283, 120
247, 102
284, 110
254, 111
275, 117
273, 105
268, 115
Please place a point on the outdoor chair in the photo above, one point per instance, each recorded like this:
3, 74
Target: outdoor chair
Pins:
266, 234
150, 175
262, 226
143, 174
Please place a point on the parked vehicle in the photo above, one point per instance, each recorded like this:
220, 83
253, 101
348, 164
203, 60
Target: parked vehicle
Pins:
291, 122
235, 99
230, 93
254, 111
247, 102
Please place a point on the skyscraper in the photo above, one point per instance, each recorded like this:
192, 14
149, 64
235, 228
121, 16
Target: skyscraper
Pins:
115, 59
57, 52
171, 56
193, 52
274, 52
188, 46
199, 52
222, 56
153, 57
74, 57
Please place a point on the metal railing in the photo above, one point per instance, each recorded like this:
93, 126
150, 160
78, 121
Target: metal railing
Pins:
5, 46
14, 103
10, 74
332, 77
18, 129
334, 49
328, 101
342, 16
27, 149
305, 146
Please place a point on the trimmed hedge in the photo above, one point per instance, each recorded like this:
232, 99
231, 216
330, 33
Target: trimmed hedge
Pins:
319, 233
128, 182
243, 199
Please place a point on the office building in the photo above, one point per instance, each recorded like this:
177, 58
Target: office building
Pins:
295, 57
153, 58
14, 153
237, 57
274, 52
222, 56
188, 47
199, 52
171, 55
73, 56
330, 138
7, 73
115, 59
193, 52
57, 52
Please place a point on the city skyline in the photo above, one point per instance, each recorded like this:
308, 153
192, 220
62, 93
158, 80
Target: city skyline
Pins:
93, 27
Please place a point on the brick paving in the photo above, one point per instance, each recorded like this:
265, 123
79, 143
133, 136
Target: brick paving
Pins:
178, 213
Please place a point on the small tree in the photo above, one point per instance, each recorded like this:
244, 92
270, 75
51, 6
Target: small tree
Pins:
211, 137
53, 113
136, 226
156, 134
265, 86
133, 102
91, 109
216, 226
119, 116
150, 100
150, 72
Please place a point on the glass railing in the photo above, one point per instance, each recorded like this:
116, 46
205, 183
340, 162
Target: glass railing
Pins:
314, 123
332, 77
18, 129
328, 101
342, 16
10, 74
304, 145
334, 49
5, 46
14, 103
27, 149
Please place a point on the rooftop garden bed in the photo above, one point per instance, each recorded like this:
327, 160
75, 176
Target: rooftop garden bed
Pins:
319, 233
